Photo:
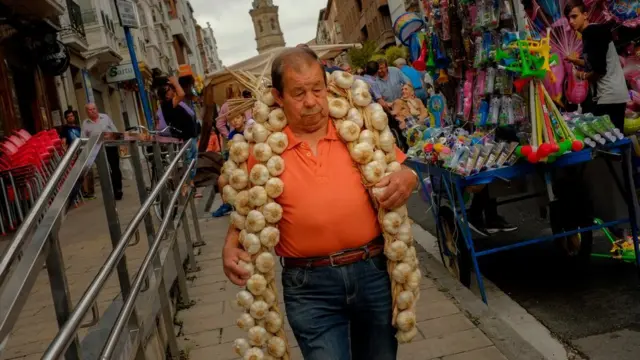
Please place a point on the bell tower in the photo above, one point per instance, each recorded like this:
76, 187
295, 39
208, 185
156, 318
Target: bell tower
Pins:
266, 25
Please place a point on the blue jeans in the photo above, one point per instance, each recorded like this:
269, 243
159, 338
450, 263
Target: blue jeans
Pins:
341, 313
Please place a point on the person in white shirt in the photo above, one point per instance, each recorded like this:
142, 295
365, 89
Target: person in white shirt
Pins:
95, 124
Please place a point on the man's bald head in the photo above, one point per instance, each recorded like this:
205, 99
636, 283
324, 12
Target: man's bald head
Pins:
292, 59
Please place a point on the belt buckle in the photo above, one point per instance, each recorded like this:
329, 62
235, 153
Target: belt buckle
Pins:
335, 254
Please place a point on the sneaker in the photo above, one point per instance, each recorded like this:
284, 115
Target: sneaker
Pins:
499, 224
89, 196
476, 224
223, 210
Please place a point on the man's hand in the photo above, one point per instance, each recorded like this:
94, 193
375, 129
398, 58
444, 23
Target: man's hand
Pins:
572, 59
398, 187
231, 255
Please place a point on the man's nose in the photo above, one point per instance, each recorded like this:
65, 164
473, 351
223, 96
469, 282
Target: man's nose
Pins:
309, 99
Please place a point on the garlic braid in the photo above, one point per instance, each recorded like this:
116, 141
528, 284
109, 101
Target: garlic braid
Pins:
373, 151
256, 215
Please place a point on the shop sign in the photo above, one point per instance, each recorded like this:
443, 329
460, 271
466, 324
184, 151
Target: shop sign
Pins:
54, 58
128, 14
119, 73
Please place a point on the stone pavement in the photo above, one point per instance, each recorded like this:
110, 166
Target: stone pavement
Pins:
208, 327
85, 244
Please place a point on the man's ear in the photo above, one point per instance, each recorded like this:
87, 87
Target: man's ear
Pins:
277, 96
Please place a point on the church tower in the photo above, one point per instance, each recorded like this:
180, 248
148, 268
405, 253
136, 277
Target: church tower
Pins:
266, 25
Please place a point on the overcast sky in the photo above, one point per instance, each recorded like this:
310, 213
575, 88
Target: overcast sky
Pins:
233, 28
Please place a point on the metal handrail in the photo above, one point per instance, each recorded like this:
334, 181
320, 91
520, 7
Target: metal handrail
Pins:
66, 334
36, 211
128, 306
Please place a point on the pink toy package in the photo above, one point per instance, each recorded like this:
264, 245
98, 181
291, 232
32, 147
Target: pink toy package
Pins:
576, 90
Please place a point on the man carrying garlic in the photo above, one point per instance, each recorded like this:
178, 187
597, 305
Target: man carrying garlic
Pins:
337, 291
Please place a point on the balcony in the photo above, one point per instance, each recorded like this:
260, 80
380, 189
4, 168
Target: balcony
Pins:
178, 30
72, 33
104, 47
37, 8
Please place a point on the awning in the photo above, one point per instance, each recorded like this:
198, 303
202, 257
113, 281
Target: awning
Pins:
256, 64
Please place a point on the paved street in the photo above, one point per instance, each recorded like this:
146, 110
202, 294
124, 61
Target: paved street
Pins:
209, 327
594, 310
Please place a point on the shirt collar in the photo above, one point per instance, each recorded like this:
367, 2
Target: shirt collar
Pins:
332, 134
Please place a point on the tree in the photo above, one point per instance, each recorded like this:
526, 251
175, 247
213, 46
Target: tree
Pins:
358, 58
395, 52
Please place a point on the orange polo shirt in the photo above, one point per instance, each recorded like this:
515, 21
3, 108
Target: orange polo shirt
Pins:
326, 208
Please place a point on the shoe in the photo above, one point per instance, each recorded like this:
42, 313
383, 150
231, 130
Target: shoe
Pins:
118, 195
89, 196
223, 210
476, 224
499, 224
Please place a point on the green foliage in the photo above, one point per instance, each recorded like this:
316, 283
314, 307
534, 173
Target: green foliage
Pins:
395, 52
358, 58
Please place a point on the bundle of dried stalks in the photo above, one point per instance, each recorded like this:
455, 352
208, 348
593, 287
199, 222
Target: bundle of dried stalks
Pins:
256, 84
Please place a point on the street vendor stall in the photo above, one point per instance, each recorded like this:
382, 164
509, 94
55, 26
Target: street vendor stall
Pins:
501, 111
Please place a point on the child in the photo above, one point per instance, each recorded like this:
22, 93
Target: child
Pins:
238, 125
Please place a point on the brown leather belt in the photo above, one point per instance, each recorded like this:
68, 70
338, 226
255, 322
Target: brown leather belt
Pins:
344, 257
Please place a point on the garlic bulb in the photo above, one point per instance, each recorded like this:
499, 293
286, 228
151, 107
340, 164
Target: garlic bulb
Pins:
251, 241
275, 165
270, 276
269, 297
413, 281
402, 211
373, 107
404, 232
259, 309
394, 166
242, 204
366, 136
267, 97
257, 196
338, 108
355, 116
274, 187
349, 131
245, 322
229, 194
362, 153
239, 152
265, 262
244, 298
278, 142
228, 167
248, 135
238, 138
343, 79
276, 347
259, 133
405, 300
361, 96
411, 258
269, 237
262, 152
379, 120
272, 212
240, 346
406, 336
257, 336
400, 273
277, 119
255, 221
260, 112
237, 220
246, 265
373, 172
379, 155
378, 191
390, 157
256, 284
259, 175
254, 354
386, 140
238, 179
273, 322
359, 83
395, 251
391, 222
406, 320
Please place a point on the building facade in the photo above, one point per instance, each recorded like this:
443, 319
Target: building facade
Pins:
362, 20
211, 51
266, 25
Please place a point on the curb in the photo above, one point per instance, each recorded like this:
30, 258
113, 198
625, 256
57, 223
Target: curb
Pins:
504, 337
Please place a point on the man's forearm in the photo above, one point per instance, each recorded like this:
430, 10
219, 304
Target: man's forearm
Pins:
232, 240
